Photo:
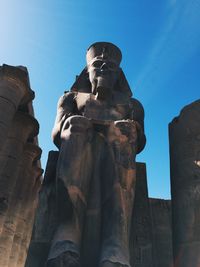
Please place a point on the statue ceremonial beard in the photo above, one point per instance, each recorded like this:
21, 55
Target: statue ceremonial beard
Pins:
102, 84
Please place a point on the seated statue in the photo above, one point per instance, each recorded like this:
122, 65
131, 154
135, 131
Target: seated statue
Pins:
98, 131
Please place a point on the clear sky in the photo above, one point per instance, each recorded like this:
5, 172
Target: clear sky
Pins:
160, 43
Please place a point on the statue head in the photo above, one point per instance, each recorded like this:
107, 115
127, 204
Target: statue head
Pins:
103, 60
102, 75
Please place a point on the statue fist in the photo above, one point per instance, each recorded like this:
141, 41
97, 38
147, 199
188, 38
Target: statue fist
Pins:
123, 131
77, 123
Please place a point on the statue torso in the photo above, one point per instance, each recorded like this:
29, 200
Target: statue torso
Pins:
117, 109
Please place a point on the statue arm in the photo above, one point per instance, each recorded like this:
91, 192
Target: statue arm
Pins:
137, 115
65, 108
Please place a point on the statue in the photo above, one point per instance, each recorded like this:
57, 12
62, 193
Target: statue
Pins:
98, 131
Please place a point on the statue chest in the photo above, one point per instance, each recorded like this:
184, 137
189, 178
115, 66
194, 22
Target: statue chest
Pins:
97, 110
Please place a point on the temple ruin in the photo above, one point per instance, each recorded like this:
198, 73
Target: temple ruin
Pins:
163, 233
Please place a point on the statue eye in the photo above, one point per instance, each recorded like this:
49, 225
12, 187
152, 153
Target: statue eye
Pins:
97, 64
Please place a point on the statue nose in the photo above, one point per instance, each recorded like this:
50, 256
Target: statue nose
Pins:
104, 66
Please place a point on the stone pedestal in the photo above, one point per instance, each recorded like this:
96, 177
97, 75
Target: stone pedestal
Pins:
184, 134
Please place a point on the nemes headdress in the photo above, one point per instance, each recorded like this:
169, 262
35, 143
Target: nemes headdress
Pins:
102, 50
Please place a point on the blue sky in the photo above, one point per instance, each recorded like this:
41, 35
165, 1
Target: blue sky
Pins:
160, 43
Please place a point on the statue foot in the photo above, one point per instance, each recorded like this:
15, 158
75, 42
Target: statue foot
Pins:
66, 259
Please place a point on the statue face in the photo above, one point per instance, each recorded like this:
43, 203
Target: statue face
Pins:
103, 74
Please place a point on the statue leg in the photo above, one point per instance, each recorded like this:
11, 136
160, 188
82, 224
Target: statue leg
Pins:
117, 208
73, 181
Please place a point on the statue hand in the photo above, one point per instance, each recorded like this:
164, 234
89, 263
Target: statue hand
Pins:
123, 131
77, 125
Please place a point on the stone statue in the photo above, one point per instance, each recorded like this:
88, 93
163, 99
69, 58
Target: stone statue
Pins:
98, 131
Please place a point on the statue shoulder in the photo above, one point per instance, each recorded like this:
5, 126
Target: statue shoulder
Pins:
66, 100
65, 108
137, 109
137, 114
136, 104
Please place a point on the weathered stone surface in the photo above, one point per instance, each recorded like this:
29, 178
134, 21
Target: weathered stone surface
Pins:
29, 214
23, 126
184, 135
98, 131
23, 206
19, 165
45, 221
161, 232
14, 91
141, 248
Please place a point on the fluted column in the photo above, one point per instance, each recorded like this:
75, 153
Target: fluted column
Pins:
25, 197
23, 127
14, 91
184, 134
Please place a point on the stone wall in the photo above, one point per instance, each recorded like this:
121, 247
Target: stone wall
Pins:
184, 136
20, 170
141, 232
161, 232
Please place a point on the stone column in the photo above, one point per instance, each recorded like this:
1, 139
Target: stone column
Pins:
14, 91
184, 135
28, 219
23, 127
20, 202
